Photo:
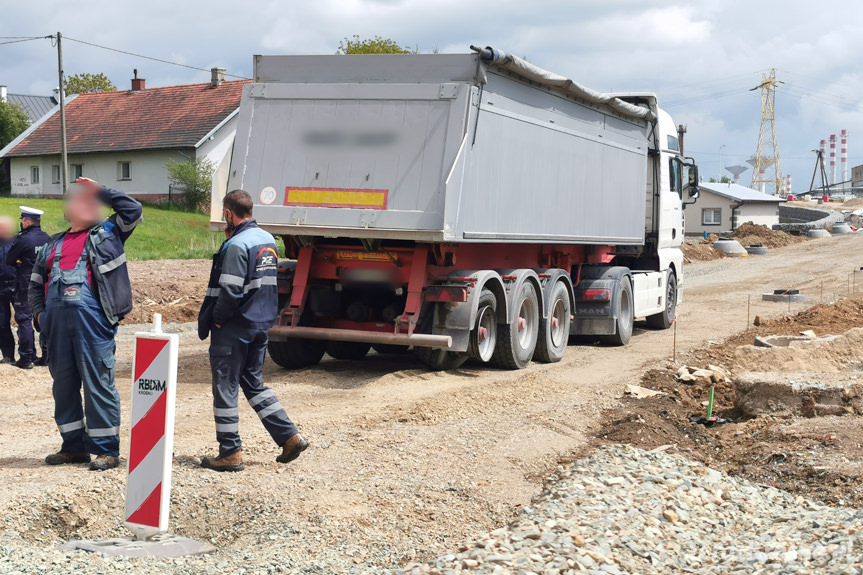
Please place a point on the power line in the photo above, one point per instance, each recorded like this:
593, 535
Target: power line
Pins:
17, 39
147, 57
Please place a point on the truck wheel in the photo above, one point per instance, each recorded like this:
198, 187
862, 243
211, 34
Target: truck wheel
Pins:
389, 349
484, 334
625, 318
516, 341
665, 319
440, 359
297, 353
348, 350
554, 330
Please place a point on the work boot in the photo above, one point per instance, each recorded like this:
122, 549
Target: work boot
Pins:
24, 363
64, 457
232, 462
7, 361
41, 362
292, 448
104, 463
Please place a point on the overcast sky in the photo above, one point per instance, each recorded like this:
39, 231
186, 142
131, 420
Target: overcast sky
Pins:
700, 56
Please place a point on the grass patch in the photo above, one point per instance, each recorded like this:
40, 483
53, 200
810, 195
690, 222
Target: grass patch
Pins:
164, 234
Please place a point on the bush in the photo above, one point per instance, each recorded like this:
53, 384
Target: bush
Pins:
195, 178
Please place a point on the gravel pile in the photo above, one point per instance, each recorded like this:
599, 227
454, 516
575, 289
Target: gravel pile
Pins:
624, 510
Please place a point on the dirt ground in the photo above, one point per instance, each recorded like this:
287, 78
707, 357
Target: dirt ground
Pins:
747, 234
406, 463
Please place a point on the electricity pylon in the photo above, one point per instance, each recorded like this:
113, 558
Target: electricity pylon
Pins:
767, 153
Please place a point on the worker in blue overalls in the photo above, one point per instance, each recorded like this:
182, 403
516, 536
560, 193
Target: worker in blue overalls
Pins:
241, 305
79, 292
7, 291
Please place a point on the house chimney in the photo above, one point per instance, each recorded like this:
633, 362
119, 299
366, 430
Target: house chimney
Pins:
217, 76
138, 84
2, 93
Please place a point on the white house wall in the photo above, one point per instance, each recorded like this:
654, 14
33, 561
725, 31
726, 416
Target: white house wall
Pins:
761, 213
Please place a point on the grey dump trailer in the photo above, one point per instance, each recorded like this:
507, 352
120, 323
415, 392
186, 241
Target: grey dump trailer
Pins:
465, 206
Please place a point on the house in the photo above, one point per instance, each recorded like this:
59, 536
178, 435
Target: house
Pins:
724, 207
34, 106
124, 139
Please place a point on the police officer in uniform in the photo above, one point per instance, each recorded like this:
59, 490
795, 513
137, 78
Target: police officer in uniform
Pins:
22, 255
7, 291
240, 307
79, 291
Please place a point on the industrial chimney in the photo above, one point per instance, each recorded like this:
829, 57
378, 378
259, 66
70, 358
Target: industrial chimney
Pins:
138, 84
843, 154
217, 76
832, 158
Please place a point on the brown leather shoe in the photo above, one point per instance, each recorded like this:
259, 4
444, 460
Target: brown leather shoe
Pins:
104, 463
232, 462
65, 457
292, 448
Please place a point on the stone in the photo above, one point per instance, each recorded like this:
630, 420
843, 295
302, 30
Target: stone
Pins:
670, 515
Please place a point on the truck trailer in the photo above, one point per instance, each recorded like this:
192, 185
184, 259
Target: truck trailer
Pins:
461, 206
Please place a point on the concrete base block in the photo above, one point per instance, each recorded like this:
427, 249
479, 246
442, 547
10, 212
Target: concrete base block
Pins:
783, 297
157, 546
806, 394
818, 233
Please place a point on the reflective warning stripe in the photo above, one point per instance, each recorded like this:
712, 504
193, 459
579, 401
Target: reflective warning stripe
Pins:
126, 227
113, 264
103, 432
267, 393
226, 411
227, 427
231, 280
256, 283
67, 427
213, 292
36, 278
270, 409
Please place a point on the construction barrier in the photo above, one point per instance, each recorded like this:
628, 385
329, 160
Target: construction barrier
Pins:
154, 391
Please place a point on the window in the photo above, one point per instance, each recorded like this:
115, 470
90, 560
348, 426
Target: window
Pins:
55, 174
673, 144
711, 216
124, 171
76, 171
34, 174
675, 176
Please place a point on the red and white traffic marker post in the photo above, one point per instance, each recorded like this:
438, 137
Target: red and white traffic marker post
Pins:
151, 449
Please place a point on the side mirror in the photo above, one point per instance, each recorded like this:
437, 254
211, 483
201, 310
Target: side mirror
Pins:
694, 191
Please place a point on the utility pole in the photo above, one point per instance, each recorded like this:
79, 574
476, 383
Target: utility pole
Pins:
64, 159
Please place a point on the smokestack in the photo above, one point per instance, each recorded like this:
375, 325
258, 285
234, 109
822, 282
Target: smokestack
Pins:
138, 84
681, 132
788, 190
823, 149
2, 93
217, 76
843, 154
832, 158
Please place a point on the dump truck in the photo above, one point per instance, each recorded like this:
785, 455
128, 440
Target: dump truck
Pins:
458, 205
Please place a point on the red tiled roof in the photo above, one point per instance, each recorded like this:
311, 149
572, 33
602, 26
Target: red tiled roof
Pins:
151, 119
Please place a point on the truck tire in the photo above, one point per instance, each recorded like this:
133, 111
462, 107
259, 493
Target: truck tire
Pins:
515, 347
297, 353
440, 359
554, 330
483, 336
625, 318
665, 319
348, 350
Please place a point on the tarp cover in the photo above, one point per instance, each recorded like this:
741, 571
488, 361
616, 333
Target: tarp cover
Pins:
530, 71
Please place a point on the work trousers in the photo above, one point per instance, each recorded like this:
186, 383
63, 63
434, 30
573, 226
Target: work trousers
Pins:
7, 340
237, 361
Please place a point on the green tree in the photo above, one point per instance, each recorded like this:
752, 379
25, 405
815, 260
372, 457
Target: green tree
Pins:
376, 45
195, 176
13, 121
84, 83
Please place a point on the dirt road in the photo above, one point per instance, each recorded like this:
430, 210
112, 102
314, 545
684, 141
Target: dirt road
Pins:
405, 463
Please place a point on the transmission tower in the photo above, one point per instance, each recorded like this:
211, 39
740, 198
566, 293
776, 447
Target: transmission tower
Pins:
767, 169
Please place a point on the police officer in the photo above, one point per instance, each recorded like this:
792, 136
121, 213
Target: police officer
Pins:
22, 255
240, 307
79, 291
7, 291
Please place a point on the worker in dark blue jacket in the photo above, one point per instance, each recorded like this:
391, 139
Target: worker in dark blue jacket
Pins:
241, 305
7, 291
22, 255
79, 291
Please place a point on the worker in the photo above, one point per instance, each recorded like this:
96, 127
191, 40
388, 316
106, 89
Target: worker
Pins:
240, 307
22, 255
79, 292
7, 291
